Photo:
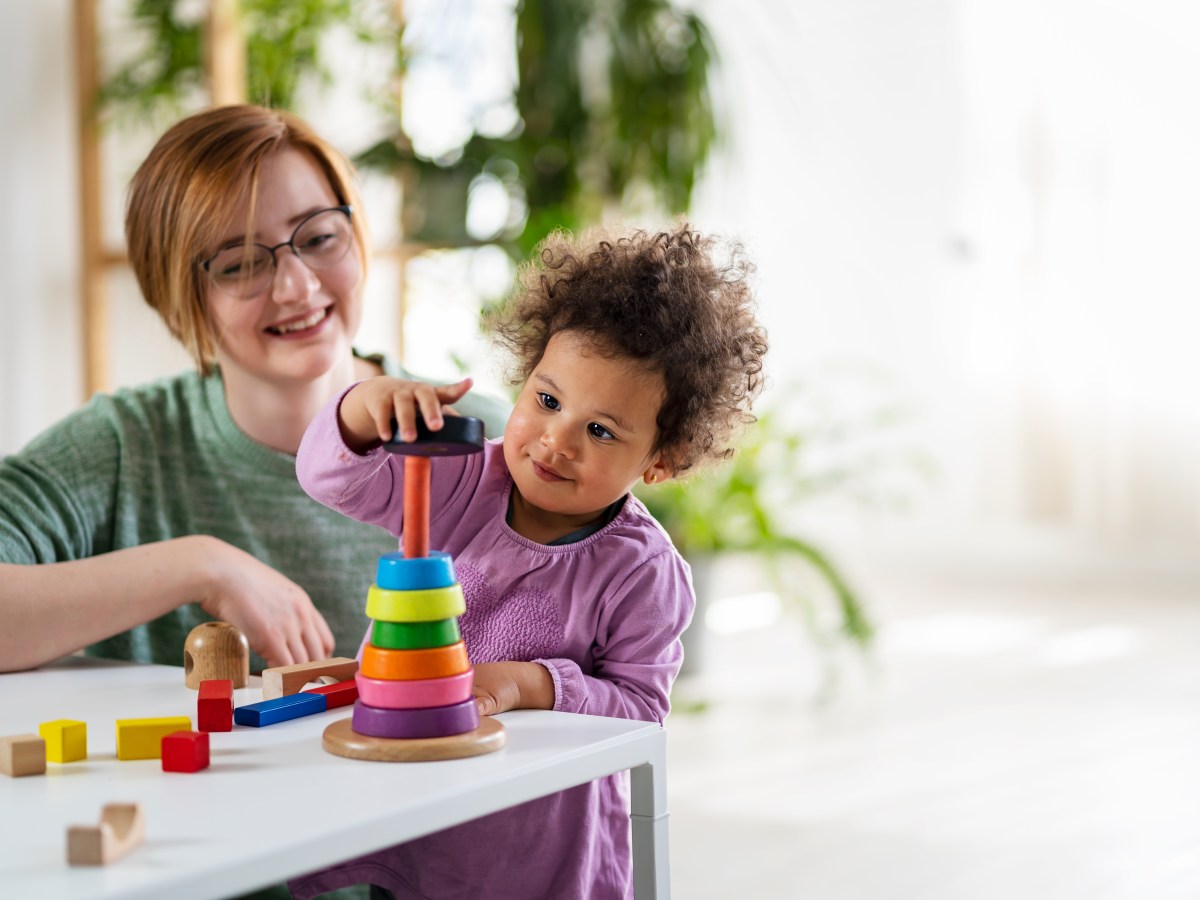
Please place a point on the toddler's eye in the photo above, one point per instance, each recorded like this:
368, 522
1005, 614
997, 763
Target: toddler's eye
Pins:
596, 430
547, 401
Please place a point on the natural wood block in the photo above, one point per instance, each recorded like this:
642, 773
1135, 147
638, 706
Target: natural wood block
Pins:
216, 650
284, 680
121, 829
142, 738
66, 740
22, 754
341, 740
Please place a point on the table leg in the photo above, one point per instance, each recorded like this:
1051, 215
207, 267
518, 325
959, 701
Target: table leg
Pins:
648, 803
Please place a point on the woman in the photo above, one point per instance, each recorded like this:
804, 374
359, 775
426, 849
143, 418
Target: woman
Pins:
159, 507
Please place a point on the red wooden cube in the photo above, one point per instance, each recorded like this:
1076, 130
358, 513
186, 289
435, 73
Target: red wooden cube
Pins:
214, 707
185, 751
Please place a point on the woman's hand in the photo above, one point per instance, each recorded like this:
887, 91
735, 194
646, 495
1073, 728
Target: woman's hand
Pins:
366, 412
501, 686
273, 612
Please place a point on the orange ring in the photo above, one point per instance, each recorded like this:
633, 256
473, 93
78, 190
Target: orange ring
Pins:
409, 665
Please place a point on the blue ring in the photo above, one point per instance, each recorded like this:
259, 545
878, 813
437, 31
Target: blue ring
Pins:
395, 573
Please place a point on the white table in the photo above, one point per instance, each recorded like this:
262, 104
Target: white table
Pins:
273, 804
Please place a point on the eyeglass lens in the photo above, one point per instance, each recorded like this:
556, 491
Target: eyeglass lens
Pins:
320, 241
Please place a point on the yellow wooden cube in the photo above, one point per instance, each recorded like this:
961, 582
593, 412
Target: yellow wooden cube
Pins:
142, 738
66, 740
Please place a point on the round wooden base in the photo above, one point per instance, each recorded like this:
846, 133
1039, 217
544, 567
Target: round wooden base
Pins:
341, 740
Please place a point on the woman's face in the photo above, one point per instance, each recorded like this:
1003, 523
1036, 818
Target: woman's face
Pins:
303, 322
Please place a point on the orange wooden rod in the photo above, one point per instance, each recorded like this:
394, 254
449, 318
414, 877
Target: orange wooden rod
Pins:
410, 665
416, 507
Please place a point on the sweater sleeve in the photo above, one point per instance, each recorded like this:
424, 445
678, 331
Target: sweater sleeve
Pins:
638, 650
367, 487
57, 494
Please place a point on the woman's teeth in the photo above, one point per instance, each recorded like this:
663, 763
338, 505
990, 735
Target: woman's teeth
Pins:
301, 324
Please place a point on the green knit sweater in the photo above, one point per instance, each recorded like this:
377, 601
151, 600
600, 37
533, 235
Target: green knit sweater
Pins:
165, 460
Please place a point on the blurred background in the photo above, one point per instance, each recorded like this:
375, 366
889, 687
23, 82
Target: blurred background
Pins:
950, 596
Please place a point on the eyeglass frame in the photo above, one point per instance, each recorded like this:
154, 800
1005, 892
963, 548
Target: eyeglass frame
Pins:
345, 208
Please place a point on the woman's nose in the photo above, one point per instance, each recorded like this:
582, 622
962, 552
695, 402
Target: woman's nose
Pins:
294, 281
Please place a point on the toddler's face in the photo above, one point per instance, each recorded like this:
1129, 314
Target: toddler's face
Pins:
581, 433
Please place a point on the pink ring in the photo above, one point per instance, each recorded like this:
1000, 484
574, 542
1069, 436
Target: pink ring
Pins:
419, 693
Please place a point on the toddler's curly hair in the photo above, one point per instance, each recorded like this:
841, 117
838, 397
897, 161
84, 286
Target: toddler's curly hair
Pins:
668, 299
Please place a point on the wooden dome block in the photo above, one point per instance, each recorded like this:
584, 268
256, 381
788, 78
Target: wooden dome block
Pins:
216, 650
341, 740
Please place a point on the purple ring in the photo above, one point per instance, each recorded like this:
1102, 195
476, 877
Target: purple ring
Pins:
434, 721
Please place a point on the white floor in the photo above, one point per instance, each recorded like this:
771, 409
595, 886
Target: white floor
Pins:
1010, 742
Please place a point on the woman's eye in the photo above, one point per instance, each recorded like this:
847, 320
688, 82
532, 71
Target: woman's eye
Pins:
547, 401
596, 430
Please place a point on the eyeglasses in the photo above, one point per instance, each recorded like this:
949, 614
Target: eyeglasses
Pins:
320, 241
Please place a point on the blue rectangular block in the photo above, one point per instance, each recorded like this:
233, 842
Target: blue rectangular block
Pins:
268, 712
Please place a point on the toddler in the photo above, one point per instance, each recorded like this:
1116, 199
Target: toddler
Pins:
638, 358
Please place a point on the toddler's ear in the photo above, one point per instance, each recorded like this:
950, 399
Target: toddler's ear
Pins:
658, 472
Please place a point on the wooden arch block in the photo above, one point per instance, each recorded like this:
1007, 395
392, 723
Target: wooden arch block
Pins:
284, 680
121, 829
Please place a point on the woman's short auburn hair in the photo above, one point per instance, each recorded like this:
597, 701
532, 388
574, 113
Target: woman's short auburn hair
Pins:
188, 188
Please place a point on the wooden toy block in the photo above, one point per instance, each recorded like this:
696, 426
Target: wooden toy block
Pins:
341, 694
415, 635
185, 751
434, 662
121, 828
216, 650
415, 606
283, 680
396, 572
416, 693
142, 738
281, 709
66, 740
214, 706
22, 754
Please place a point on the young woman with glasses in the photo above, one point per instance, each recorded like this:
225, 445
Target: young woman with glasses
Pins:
155, 508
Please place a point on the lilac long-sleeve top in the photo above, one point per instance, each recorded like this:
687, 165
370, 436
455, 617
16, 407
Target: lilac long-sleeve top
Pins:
603, 615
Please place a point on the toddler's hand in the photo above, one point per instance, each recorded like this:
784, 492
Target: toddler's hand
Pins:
366, 413
501, 686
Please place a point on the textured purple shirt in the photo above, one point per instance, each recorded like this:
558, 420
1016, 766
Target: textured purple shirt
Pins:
603, 615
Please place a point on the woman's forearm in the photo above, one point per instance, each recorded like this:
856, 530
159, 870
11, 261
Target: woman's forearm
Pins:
48, 611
